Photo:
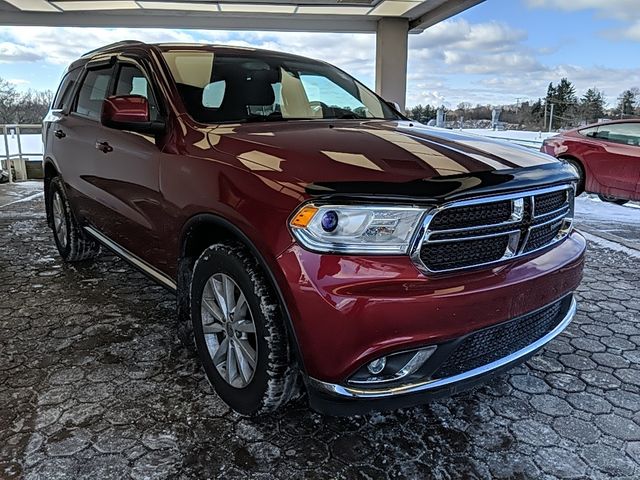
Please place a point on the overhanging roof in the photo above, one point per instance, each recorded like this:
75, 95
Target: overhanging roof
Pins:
281, 15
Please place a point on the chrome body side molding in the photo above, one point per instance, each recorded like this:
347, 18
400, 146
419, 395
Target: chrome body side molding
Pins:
137, 262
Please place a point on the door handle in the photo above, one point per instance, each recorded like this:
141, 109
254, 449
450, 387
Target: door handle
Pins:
59, 134
104, 147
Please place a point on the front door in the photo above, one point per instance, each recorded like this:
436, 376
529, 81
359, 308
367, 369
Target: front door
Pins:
615, 161
127, 175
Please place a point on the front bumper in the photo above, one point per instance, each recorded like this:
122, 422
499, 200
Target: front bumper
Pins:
336, 399
349, 310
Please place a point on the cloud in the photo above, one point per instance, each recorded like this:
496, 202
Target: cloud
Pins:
18, 81
620, 9
11, 52
454, 61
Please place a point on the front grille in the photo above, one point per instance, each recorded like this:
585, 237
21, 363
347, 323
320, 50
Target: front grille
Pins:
483, 231
493, 343
543, 235
446, 256
473, 215
550, 202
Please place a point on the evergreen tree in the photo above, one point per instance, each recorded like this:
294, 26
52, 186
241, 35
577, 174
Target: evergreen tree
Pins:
592, 105
627, 102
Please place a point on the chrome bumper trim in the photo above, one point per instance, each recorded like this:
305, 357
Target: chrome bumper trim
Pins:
350, 392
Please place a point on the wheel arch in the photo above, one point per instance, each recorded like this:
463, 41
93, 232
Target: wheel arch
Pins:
580, 164
50, 172
204, 229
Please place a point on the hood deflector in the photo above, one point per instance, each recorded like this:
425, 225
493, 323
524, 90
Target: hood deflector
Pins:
436, 190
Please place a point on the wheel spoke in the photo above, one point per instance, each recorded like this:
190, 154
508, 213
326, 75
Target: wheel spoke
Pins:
247, 351
240, 309
213, 309
212, 328
245, 369
232, 363
221, 354
229, 293
216, 286
243, 325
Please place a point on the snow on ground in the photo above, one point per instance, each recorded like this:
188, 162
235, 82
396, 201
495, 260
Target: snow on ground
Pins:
589, 208
31, 145
521, 137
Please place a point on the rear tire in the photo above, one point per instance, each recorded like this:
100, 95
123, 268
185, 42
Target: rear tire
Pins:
239, 331
73, 244
607, 198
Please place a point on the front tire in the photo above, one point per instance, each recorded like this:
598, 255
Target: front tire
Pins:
607, 198
72, 243
239, 331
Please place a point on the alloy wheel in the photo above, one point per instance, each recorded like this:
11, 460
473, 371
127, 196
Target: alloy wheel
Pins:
59, 220
229, 330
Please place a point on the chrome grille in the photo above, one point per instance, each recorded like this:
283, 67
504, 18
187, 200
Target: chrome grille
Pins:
484, 231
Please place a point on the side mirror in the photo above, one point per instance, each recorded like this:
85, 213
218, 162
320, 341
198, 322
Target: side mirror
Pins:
129, 112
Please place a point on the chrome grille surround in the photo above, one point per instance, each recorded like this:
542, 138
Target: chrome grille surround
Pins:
527, 230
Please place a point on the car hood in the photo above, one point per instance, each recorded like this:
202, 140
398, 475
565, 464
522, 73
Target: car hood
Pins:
371, 157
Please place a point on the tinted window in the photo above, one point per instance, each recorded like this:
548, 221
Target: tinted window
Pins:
63, 96
131, 81
231, 88
625, 133
589, 132
93, 92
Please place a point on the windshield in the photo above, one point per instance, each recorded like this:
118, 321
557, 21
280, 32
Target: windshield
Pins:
223, 88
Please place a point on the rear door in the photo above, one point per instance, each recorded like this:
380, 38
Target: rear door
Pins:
615, 158
73, 134
126, 172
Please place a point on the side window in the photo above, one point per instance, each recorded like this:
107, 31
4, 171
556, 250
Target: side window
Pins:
65, 91
624, 133
591, 132
131, 81
93, 92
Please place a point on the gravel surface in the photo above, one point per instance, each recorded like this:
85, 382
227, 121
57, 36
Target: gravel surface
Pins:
94, 384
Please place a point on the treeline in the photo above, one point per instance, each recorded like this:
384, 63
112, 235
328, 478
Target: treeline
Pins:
569, 110
22, 107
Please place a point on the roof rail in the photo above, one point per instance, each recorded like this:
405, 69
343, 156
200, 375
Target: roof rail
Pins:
114, 45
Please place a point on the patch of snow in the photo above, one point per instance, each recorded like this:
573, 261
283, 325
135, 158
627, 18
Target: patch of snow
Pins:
521, 137
590, 208
25, 199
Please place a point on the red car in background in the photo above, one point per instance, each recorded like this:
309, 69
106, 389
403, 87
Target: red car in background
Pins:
606, 156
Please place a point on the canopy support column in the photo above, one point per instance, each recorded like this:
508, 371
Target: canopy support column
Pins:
391, 59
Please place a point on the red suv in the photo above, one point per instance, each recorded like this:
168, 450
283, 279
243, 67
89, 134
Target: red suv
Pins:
317, 240
606, 156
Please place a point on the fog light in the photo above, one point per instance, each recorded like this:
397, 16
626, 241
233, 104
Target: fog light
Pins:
377, 365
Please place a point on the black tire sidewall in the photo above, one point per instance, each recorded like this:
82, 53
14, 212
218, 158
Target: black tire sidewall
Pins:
580, 187
56, 187
247, 400
617, 201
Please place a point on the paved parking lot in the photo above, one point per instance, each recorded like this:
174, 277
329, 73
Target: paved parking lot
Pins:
94, 384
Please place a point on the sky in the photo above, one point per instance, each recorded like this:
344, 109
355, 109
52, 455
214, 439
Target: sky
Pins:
499, 52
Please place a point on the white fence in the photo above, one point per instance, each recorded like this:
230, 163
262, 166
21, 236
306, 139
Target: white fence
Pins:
18, 147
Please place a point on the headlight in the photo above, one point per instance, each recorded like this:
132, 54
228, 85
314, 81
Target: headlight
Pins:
367, 229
